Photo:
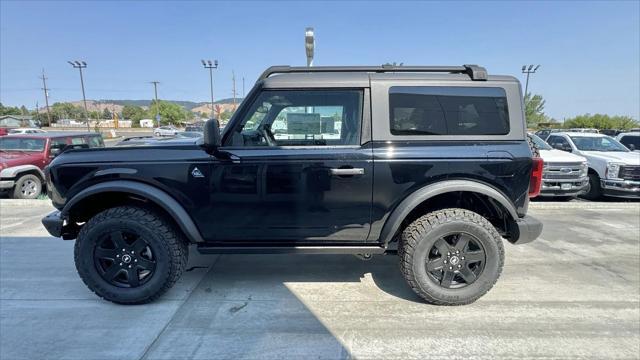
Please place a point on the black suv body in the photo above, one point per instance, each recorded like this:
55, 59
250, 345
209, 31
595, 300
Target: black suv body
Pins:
431, 163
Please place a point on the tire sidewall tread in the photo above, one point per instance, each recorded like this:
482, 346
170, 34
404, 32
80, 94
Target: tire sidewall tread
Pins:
418, 238
169, 248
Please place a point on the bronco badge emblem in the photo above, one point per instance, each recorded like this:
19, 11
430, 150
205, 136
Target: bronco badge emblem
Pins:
196, 173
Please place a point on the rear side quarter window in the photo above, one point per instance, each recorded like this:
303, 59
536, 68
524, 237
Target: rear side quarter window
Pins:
438, 110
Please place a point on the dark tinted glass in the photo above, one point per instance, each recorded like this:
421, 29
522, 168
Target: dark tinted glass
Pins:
435, 110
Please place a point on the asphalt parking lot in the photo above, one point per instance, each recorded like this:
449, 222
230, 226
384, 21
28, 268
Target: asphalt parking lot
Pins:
574, 293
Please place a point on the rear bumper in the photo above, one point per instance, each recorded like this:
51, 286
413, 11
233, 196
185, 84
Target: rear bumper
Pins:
529, 228
54, 223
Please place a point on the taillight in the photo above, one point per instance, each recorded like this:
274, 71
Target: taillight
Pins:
535, 182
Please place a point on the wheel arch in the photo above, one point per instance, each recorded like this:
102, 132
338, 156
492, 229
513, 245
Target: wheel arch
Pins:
120, 192
17, 171
466, 194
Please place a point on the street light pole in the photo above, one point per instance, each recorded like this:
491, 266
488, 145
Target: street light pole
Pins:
81, 65
528, 70
155, 90
309, 45
209, 65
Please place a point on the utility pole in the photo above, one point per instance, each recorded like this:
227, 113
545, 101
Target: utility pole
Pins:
81, 65
46, 97
528, 70
243, 87
155, 90
208, 65
233, 79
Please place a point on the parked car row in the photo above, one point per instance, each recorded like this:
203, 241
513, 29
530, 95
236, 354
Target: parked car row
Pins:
24, 156
589, 164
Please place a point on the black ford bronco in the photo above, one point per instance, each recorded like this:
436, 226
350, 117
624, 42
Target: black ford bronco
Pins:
429, 163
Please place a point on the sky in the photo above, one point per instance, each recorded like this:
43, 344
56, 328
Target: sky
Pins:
589, 52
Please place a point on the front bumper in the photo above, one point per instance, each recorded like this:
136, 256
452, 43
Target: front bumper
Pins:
529, 228
564, 187
7, 184
621, 188
55, 225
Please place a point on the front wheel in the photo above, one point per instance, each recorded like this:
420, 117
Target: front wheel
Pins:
129, 255
451, 256
27, 187
594, 190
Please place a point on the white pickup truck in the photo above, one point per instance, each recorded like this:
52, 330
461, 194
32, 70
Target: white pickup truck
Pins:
564, 174
614, 170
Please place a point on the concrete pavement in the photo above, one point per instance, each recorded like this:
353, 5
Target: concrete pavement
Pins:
574, 293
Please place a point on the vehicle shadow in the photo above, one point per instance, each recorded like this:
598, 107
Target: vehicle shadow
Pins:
224, 306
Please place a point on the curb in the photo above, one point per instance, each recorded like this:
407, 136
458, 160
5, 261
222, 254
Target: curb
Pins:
25, 202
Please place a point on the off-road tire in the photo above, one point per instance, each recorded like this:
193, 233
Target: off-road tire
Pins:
26, 180
418, 238
595, 190
168, 245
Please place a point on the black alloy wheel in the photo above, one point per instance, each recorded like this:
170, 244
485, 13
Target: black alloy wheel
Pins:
124, 259
455, 260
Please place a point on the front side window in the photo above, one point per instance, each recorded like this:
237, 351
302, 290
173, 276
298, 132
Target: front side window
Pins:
438, 110
301, 118
555, 140
539, 143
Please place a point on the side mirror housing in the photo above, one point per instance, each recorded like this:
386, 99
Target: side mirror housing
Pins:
212, 137
54, 152
631, 147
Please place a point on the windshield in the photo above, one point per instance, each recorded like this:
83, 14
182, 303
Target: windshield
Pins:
598, 143
539, 143
21, 144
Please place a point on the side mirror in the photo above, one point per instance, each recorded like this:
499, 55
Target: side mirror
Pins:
631, 147
54, 152
212, 137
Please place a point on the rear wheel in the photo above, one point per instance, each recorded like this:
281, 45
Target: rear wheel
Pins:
28, 186
129, 255
451, 257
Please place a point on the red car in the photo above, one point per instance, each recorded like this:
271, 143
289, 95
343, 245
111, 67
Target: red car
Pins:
23, 158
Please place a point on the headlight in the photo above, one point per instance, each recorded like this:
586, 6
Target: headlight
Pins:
612, 170
584, 168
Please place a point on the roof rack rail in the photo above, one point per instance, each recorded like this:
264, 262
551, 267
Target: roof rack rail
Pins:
475, 72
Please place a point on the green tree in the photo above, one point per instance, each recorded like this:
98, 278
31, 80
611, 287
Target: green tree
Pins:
601, 121
534, 110
106, 114
94, 114
170, 113
133, 113
23, 110
66, 111
9, 110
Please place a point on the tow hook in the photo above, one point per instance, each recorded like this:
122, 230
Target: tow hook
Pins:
364, 257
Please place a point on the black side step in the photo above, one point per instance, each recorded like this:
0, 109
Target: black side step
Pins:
205, 249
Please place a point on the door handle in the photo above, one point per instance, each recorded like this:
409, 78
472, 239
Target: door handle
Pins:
347, 171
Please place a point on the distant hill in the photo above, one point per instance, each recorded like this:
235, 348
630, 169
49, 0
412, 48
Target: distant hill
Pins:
189, 105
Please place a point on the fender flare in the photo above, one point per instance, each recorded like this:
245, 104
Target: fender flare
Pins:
157, 196
14, 171
416, 198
